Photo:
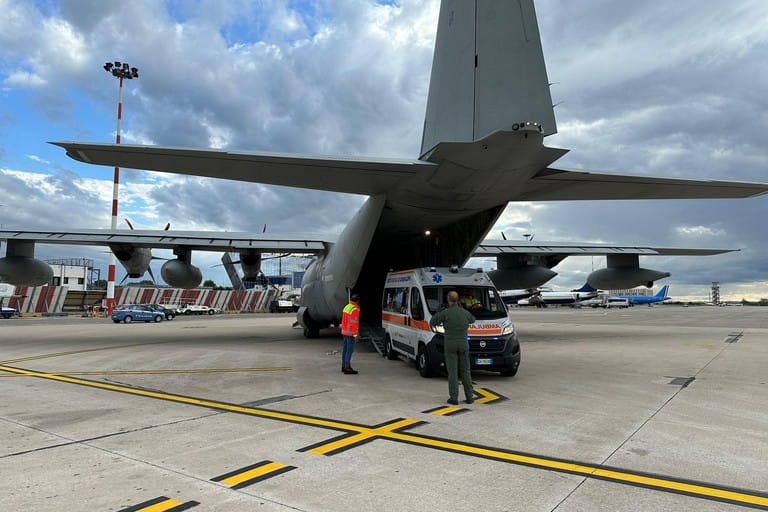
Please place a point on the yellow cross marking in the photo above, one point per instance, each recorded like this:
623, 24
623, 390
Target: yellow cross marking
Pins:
616, 475
363, 435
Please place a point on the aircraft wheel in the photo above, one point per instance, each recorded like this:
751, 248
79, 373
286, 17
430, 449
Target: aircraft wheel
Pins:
312, 332
422, 362
388, 349
128, 319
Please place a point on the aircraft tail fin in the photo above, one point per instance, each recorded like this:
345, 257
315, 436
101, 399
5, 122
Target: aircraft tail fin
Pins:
488, 72
586, 288
663, 293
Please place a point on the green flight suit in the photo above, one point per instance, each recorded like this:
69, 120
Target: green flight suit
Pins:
455, 321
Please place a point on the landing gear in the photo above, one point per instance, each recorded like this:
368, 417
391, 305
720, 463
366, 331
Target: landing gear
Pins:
312, 331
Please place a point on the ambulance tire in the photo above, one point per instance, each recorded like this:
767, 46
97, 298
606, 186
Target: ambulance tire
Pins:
509, 372
389, 350
422, 362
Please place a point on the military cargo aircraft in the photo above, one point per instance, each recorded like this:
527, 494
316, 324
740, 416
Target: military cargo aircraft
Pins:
488, 111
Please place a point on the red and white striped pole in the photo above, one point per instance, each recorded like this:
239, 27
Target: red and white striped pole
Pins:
121, 71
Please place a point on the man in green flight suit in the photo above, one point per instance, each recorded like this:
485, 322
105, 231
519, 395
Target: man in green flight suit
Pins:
455, 320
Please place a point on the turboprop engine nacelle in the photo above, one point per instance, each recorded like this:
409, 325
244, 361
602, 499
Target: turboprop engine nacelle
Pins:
250, 262
618, 278
518, 278
135, 260
181, 274
20, 268
24, 271
624, 272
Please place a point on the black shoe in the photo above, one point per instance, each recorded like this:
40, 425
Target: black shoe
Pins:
349, 371
453, 401
469, 400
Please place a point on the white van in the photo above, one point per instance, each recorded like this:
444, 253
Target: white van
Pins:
617, 303
410, 299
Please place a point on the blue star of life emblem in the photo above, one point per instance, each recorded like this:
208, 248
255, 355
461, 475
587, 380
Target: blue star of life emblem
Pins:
437, 277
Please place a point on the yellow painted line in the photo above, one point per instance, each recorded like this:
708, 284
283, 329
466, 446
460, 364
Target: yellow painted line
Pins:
161, 504
160, 372
486, 396
253, 473
445, 411
367, 435
71, 352
388, 431
265, 413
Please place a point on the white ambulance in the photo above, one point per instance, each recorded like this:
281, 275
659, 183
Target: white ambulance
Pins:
410, 299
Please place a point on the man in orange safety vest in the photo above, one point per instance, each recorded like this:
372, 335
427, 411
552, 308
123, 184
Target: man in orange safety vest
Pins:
350, 330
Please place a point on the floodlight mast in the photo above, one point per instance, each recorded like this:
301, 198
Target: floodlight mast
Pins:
121, 71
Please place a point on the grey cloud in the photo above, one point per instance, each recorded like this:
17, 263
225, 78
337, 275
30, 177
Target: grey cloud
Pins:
672, 90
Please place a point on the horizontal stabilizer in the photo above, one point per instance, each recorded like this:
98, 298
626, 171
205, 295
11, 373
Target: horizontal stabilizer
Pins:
561, 185
337, 174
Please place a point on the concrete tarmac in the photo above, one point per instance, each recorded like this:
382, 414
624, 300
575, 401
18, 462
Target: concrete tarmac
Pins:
649, 408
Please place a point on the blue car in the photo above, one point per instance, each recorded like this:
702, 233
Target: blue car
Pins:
136, 312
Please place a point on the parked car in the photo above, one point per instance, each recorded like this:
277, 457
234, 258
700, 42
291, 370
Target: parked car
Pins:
7, 312
284, 305
170, 313
197, 309
127, 313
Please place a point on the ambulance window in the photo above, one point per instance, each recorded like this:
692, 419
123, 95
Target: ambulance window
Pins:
433, 296
395, 300
401, 300
388, 303
417, 310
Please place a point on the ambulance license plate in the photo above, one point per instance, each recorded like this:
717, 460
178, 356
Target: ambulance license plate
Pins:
484, 362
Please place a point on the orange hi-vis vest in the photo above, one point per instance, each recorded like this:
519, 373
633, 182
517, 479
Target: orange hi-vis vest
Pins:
350, 319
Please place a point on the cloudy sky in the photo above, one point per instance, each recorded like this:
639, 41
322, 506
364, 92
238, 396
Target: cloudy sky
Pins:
651, 88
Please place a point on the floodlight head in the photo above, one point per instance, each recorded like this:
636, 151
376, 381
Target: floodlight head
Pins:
108, 66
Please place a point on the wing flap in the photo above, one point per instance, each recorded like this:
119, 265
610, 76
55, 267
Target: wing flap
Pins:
158, 239
496, 247
563, 185
337, 174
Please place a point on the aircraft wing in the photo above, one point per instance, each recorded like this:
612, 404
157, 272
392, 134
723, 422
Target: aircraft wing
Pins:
337, 174
195, 240
488, 248
563, 185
